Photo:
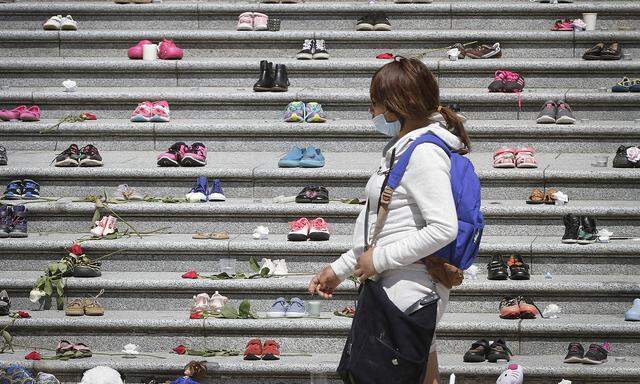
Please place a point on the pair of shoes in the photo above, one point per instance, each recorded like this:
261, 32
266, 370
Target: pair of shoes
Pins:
87, 156
302, 230
3, 155
579, 229
256, 350
313, 49
276, 267
506, 81
280, 308
310, 157
604, 51
481, 350
632, 314
179, 154
518, 307
627, 157
205, 303
596, 354
550, 196
373, 22
480, 51
167, 50
72, 351
313, 194
105, 226
81, 307
22, 189
201, 193
555, 113
298, 112
514, 374
5, 303
155, 112
514, 158
563, 25
518, 269
270, 80
21, 113
57, 23
13, 221
252, 21
627, 85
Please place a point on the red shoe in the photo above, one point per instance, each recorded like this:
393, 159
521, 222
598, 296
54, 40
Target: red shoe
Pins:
509, 308
169, 51
135, 52
254, 350
271, 350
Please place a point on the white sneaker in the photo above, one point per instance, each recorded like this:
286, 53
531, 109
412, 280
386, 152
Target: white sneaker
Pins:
53, 24
280, 268
200, 303
261, 232
68, 24
267, 263
513, 375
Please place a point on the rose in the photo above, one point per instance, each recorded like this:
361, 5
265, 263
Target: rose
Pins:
24, 314
76, 249
180, 349
196, 315
89, 116
35, 295
33, 356
190, 275
633, 154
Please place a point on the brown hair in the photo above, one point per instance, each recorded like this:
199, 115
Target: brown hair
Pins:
198, 369
407, 88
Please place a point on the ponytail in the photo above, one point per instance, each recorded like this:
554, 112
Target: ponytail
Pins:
455, 126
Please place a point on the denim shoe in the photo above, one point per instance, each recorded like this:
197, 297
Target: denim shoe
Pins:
294, 112
296, 308
291, 159
3, 155
5, 220
30, 190
19, 221
312, 158
14, 190
278, 308
314, 113
199, 191
216, 193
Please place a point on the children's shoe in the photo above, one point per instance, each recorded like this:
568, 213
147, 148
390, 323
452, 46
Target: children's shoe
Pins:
626, 85
98, 230
5, 304
588, 234
291, 159
270, 350
381, 23
200, 303
167, 50
627, 157
5, 220
135, 52
53, 24
312, 158
253, 350
525, 158
314, 113
513, 375
497, 269
70, 157
110, 226
199, 192
299, 230
575, 353
296, 308
307, 50
595, 355
19, 221
563, 25
518, 269
477, 353
528, 309
319, 230
571, 228
498, 350
547, 114
216, 193
280, 267
633, 313
195, 156
68, 24
14, 190
160, 112
3, 156
564, 115
173, 156
245, 22
319, 50
143, 112
90, 157
260, 22
365, 23
506, 81
261, 232
504, 158
509, 308
30, 114
13, 114
295, 112
30, 190
278, 308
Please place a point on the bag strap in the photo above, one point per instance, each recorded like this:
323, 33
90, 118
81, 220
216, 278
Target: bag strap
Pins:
382, 210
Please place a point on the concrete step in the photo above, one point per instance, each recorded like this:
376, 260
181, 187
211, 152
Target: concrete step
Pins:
167, 291
539, 369
229, 43
338, 72
338, 103
585, 136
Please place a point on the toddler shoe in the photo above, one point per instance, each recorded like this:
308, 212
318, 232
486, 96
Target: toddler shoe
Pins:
89, 157
245, 22
199, 192
261, 232
14, 114
53, 24
296, 308
314, 113
312, 158
280, 268
143, 112
98, 230
169, 51
319, 230
160, 112
299, 230
30, 114
513, 375
253, 350
633, 313
525, 159
260, 22
200, 303
68, 24
30, 190
295, 112
195, 156
270, 350
135, 52
14, 190
307, 50
173, 156
216, 193
278, 308
291, 159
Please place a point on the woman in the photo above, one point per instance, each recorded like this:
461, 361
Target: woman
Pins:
405, 104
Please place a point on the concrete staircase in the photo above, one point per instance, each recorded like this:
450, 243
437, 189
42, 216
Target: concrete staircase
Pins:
211, 100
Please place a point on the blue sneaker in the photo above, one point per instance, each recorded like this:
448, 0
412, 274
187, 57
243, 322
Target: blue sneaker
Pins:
30, 189
633, 314
199, 192
14, 190
291, 159
216, 193
295, 112
278, 308
296, 308
312, 158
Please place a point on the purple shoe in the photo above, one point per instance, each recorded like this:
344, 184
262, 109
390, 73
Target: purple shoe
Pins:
173, 156
195, 156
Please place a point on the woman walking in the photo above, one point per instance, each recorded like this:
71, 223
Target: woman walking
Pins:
421, 215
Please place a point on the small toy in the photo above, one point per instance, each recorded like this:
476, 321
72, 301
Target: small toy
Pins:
194, 372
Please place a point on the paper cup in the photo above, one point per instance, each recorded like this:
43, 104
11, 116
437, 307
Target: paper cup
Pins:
590, 20
313, 308
150, 52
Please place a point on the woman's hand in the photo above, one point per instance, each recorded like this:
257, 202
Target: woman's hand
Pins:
324, 283
364, 267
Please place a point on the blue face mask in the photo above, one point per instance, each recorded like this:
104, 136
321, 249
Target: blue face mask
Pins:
391, 129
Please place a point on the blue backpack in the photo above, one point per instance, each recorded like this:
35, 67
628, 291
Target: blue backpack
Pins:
465, 185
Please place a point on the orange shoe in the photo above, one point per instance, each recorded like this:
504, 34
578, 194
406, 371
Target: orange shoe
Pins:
271, 350
528, 309
253, 350
509, 308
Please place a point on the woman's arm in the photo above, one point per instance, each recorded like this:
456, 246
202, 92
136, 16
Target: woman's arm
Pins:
345, 264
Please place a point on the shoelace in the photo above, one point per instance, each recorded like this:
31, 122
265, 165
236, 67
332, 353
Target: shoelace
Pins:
89, 149
306, 45
319, 223
298, 224
73, 149
319, 45
530, 302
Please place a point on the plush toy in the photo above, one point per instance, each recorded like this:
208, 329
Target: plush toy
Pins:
194, 372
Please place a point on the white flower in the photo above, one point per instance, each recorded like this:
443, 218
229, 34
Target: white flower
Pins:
35, 295
131, 349
633, 154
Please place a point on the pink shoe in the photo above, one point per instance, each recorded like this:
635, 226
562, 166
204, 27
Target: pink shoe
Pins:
143, 113
31, 114
135, 52
14, 114
98, 230
195, 156
504, 158
299, 230
563, 25
245, 22
525, 159
169, 51
319, 230
260, 21
173, 156
110, 226
160, 112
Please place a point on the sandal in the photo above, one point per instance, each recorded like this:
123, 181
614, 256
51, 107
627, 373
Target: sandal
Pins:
537, 197
549, 197
75, 308
504, 158
525, 159
211, 235
92, 307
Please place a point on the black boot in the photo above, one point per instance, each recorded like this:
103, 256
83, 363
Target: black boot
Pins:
281, 82
588, 233
265, 83
19, 228
571, 227
5, 220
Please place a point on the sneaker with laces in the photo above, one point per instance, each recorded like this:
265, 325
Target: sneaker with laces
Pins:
306, 53
319, 50
90, 157
53, 24
506, 81
18, 221
278, 308
319, 230
160, 112
365, 23
135, 52
168, 50
564, 114
3, 155
195, 156
498, 350
514, 374
270, 350
528, 309
216, 193
280, 267
295, 112
588, 234
575, 353
484, 51
199, 191
5, 220
13, 191
143, 112
477, 353
291, 159
299, 230
314, 113
68, 158
68, 24
30, 190
312, 158
547, 114
173, 156
571, 228
5, 306
253, 351
509, 308
245, 22
296, 308
381, 23
595, 355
